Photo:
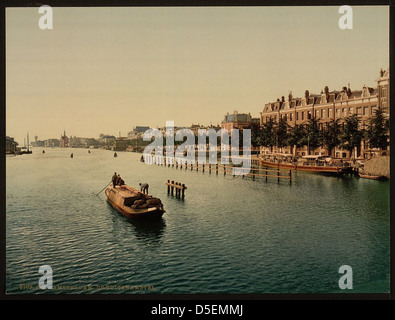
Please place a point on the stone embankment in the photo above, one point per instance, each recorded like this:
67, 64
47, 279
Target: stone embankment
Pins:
379, 166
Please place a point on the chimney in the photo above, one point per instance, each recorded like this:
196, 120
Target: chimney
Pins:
306, 94
349, 91
326, 90
290, 96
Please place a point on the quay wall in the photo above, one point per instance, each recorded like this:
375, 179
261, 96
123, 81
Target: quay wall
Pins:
379, 166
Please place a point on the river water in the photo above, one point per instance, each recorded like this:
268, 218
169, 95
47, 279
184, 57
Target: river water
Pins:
229, 235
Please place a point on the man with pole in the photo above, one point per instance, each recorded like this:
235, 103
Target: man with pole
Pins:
114, 179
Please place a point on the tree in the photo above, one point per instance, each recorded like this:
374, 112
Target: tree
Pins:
351, 136
268, 136
281, 133
313, 134
296, 136
331, 135
378, 131
256, 140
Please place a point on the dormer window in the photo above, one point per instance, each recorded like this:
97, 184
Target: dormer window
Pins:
365, 92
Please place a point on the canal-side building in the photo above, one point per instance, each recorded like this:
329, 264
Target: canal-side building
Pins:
330, 105
120, 144
64, 141
10, 145
383, 90
51, 143
238, 121
137, 132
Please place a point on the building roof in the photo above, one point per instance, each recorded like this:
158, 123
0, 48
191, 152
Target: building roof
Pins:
239, 117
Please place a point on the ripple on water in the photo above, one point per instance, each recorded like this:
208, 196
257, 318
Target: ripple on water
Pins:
228, 236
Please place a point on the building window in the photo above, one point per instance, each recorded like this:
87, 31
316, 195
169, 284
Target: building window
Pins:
291, 116
351, 111
297, 116
365, 111
309, 115
317, 113
338, 113
322, 113
302, 115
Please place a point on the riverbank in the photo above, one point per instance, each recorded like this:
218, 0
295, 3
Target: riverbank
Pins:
379, 166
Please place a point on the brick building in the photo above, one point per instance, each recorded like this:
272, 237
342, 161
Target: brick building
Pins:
330, 105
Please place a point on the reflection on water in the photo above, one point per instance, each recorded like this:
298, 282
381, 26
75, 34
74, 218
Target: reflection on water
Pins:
149, 229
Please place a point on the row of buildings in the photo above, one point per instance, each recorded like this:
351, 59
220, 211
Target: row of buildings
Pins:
326, 106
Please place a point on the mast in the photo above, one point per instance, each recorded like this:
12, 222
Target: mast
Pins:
28, 141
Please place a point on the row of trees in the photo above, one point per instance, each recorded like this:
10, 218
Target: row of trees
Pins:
346, 135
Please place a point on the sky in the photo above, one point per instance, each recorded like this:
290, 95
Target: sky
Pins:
106, 70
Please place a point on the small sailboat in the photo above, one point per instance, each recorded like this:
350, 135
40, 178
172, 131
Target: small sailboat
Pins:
24, 149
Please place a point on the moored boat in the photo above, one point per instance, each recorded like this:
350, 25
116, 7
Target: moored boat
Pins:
371, 177
133, 203
316, 164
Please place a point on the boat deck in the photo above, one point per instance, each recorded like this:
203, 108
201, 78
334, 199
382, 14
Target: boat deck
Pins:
127, 191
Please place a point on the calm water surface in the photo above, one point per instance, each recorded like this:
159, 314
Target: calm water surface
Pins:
228, 236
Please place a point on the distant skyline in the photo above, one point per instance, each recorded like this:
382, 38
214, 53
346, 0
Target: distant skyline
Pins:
106, 70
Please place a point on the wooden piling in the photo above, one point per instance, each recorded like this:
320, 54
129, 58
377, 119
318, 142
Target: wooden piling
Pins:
179, 188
